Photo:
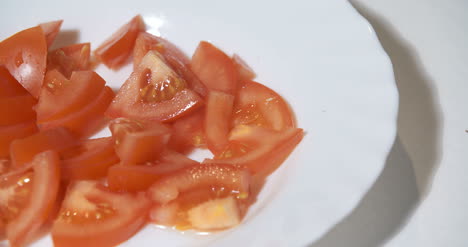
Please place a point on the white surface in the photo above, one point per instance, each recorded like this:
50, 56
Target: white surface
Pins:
421, 197
321, 55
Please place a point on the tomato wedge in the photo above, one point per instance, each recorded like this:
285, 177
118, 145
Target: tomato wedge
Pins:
17, 109
154, 92
93, 216
86, 121
173, 56
231, 178
51, 29
116, 50
24, 55
141, 177
244, 72
89, 160
9, 86
218, 120
214, 68
258, 105
73, 95
187, 133
45, 186
70, 58
9, 133
22, 151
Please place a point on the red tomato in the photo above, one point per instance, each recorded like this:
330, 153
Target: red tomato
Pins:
266, 149
229, 177
15, 190
244, 72
154, 92
17, 109
187, 133
51, 29
23, 150
115, 51
257, 104
70, 58
12, 132
137, 142
89, 160
141, 177
9, 86
218, 119
214, 68
73, 95
44, 189
93, 216
87, 120
174, 57
24, 55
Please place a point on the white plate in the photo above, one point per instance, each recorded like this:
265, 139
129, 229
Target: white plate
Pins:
320, 55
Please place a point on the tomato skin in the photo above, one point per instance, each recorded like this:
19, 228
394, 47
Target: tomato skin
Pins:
214, 68
70, 58
51, 29
46, 180
23, 150
9, 133
115, 51
244, 72
17, 109
9, 86
218, 120
127, 215
24, 55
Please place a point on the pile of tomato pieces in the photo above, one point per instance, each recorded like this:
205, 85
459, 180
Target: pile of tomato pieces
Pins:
100, 192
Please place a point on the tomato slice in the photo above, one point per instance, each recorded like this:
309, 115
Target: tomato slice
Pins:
141, 177
154, 92
51, 29
231, 178
266, 149
214, 68
17, 109
116, 50
93, 216
9, 133
89, 160
15, 190
44, 189
24, 55
86, 121
173, 56
73, 95
244, 72
137, 142
218, 120
258, 105
9, 86
23, 150
70, 58
187, 133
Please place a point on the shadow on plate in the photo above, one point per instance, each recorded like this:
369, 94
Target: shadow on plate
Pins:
415, 155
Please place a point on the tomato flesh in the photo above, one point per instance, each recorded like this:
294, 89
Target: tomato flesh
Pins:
9, 133
218, 120
15, 190
9, 86
93, 216
70, 58
188, 133
115, 51
24, 55
51, 30
244, 72
17, 109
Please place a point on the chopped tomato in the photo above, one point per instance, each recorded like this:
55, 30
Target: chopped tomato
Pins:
231, 178
266, 149
174, 57
89, 160
17, 109
140, 177
154, 92
214, 68
9, 86
9, 133
51, 29
116, 50
44, 189
93, 216
87, 120
74, 94
70, 58
187, 133
218, 120
257, 104
24, 55
244, 72
15, 190
23, 150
